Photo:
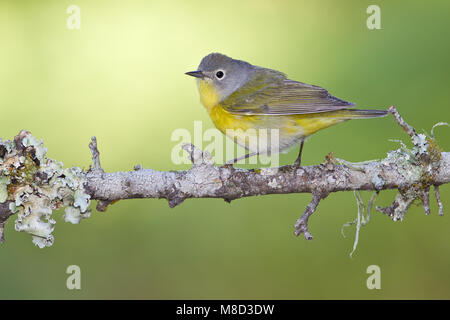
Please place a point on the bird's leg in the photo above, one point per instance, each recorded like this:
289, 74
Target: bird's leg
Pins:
248, 155
298, 161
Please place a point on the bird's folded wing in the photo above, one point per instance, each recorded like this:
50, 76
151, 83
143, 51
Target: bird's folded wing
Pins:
282, 97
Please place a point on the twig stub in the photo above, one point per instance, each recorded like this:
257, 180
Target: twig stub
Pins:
95, 155
301, 226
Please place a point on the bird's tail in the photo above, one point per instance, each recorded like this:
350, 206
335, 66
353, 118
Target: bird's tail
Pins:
363, 114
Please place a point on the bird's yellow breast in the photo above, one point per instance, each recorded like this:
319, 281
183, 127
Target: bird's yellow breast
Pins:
221, 118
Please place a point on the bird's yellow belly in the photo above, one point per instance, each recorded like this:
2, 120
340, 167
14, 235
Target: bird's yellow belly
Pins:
271, 132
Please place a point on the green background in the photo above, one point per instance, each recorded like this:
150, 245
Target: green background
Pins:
120, 77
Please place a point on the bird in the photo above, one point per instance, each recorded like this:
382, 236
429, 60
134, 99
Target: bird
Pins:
244, 101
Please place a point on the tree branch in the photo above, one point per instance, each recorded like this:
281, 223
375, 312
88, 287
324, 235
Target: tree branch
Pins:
4, 215
411, 171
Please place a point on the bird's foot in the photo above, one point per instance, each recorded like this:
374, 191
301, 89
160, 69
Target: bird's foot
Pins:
228, 165
297, 163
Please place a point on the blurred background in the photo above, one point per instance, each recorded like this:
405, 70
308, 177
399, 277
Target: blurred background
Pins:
120, 78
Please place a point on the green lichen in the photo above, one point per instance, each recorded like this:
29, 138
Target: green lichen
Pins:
378, 182
3, 188
37, 185
417, 166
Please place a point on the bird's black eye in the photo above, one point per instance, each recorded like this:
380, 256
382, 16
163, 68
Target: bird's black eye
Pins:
219, 74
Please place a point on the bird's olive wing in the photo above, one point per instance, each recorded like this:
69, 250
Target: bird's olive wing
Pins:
282, 97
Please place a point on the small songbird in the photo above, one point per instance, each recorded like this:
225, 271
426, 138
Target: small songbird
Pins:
242, 99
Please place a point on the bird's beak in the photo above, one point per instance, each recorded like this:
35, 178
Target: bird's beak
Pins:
197, 74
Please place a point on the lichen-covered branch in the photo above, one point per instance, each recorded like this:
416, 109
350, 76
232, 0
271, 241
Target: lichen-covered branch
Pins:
32, 185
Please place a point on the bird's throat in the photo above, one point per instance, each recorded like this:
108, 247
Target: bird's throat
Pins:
208, 94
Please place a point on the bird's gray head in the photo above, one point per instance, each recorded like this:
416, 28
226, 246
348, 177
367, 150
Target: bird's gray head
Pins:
226, 74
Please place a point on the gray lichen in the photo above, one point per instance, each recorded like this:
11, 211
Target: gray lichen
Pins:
416, 169
378, 182
37, 185
416, 166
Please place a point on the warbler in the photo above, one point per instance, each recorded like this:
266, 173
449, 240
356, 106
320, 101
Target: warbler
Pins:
244, 100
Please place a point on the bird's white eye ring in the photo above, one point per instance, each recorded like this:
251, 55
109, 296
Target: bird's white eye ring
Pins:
220, 74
